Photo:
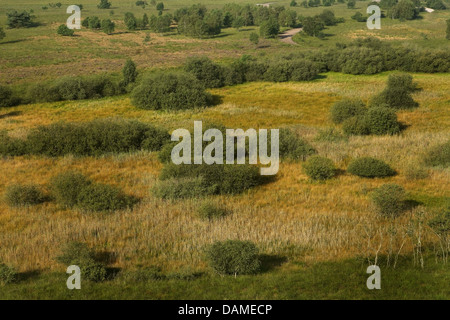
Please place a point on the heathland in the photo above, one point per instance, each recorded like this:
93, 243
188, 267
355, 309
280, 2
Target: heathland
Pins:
315, 238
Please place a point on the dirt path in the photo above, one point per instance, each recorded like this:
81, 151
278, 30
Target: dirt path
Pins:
286, 36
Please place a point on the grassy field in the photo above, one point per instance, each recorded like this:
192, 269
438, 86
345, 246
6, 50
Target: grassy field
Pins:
317, 238
330, 280
38, 53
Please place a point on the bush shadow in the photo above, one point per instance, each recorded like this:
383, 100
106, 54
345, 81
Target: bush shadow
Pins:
270, 262
28, 275
10, 114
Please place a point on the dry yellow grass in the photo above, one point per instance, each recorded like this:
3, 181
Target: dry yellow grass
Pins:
290, 216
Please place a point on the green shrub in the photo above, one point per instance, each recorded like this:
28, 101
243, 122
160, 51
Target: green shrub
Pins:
66, 187
22, 19
7, 98
107, 26
293, 147
7, 274
303, 70
165, 154
104, 4
10, 146
63, 30
24, 195
438, 156
254, 38
101, 197
269, 28
94, 23
182, 188
73, 88
389, 200
382, 121
95, 138
397, 94
346, 109
129, 72
356, 126
169, 91
210, 210
297, 70
79, 254
319, 168
216, 179
234, 257
208, 73
370, 168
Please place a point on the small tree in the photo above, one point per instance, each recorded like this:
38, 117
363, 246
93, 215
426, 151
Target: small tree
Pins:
129, 72
351, 4
130, 21
293, 3
63, 30
3, 35
234, 257
254, 38
313, 26
160, 6
19, 20
145, 21
238, 23
269, 28
404, 10
107, 26
104, 4
94, 23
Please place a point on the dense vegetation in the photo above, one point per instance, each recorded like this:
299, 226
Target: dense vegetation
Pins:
90, 138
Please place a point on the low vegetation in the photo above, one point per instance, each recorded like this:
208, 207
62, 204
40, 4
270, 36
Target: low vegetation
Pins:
234, 257
370, 168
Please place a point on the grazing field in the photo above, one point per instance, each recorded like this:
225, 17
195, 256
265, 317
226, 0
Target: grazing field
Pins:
315, 238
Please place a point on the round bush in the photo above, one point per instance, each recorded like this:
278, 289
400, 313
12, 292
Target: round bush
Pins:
216, 179
234, 257
210, 210
63, 30
389, 200
79, 254
24, 195
382, 121
6, 97
10, 146
101, 197
319, 168
370, 168
357, 126
346, 109
7, 274
181, 188
208, 73
293, 147
438, 156
169, 91
66, 187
